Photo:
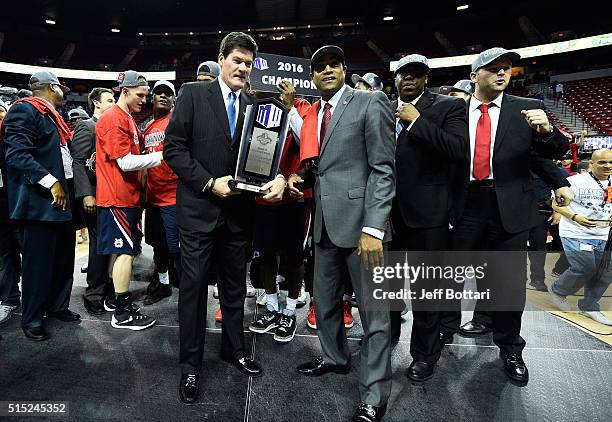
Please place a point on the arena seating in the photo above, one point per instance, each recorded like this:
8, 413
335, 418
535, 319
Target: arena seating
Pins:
591, 99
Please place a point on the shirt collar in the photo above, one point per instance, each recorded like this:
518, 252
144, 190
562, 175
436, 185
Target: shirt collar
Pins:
413, 102
225, 90
475, 102
333, 101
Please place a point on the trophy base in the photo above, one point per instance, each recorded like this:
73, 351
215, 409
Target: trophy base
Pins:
244, 187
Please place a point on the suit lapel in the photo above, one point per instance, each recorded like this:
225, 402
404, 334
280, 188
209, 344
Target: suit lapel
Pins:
505, 115
345, 99
425, 101
244, 101
215, 99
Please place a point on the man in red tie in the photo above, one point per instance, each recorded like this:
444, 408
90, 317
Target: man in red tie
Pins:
495, 205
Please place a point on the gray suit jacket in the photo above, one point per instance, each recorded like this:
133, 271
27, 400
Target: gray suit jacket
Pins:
354, 184
83, 145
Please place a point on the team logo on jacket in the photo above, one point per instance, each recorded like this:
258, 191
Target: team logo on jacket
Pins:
269, 115
260, 63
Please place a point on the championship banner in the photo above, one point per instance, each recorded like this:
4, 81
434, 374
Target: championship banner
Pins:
270, 69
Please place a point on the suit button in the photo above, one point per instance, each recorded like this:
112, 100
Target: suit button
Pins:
321, 174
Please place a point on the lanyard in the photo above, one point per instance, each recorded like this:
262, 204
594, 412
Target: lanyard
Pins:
607, 190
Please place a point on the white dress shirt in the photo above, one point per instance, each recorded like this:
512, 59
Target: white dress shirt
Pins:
473, 122
397, 121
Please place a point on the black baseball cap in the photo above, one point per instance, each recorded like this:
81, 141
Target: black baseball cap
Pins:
326, 49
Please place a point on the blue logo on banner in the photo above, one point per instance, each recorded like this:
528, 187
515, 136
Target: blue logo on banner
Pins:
260, 63
269, 115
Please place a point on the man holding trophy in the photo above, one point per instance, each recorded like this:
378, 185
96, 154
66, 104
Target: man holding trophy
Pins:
202, 147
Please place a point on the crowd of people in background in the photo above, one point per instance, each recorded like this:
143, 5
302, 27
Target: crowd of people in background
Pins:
429, 171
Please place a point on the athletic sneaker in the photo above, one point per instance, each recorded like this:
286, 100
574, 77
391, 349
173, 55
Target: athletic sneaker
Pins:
7, 311
286, 329
110, 304
311, 321
266, 322
131, 319
301, 300
594, 315
348, 314
559, 301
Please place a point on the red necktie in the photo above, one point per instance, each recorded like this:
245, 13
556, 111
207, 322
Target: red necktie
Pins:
325, 122
482, 147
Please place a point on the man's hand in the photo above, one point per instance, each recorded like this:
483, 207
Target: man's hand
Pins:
554, 219
563, 196
584, 221
287, 93
221, 188
275, 189
371, 251
407, 113
59, 196
537, 120
89, 204
294, 192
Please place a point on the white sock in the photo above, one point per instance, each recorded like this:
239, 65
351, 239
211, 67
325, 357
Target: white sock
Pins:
290, 307
272, 302
163, 278
347, 297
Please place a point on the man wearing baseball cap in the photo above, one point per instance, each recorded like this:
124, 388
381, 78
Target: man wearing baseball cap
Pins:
367, 82
208, 71
496, 206
38, 166
348, 136
161, 231
463, 89
118, 171
432, 135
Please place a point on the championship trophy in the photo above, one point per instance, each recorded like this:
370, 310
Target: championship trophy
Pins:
263, 136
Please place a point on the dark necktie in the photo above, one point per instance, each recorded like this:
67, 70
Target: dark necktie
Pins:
325, 122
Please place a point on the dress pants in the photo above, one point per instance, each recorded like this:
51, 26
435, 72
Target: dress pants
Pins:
537, 248
196, 259
480, 229
425, 345
330, 264
10, 264
48, 265
99, 284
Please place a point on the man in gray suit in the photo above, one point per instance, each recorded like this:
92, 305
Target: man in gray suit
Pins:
351, 134
82, 149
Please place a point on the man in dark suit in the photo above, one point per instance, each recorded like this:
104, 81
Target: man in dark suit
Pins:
495, 204
351, 133
432, 134
35, 139
201, 146
82, 149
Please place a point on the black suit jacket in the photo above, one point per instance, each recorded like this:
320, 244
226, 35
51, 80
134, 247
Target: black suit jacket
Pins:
517, 149
82, 147
424, 159
198, 147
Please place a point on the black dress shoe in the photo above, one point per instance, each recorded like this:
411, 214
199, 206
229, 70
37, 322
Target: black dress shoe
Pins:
94, 307
245, 365
369, 413
420, 371
317, 367
36, 333
446, 338
515, 367
473, 328
188, 388
66, 315
160, 292
540, 286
